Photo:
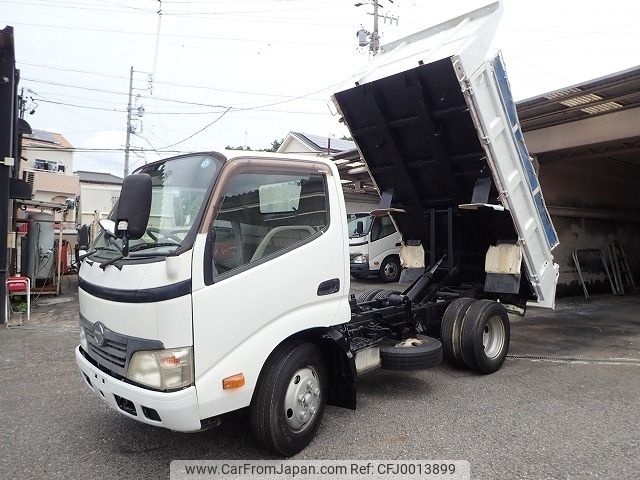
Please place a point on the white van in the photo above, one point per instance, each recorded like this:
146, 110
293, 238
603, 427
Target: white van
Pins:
374, 247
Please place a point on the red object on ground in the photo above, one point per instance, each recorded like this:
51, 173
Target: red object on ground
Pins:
64, 267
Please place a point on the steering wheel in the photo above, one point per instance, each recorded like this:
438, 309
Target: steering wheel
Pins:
154, 233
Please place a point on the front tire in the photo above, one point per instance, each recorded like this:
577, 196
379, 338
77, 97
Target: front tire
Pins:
485, 334
290, 398
390, 270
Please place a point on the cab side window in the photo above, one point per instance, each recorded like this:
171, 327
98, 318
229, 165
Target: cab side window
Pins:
382, 227
262, 214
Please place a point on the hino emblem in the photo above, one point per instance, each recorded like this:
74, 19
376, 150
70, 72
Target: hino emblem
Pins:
98, 333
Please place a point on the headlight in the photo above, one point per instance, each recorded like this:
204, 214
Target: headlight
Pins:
162, 369
361, 259
83, 340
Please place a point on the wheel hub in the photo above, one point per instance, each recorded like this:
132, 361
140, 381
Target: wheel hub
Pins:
493, 337
302, 398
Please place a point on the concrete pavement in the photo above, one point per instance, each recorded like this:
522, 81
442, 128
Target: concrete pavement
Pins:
565, 405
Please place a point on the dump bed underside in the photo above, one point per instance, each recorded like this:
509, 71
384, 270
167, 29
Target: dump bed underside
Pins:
419, 141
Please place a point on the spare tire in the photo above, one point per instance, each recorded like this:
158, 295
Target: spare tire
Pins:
416, 353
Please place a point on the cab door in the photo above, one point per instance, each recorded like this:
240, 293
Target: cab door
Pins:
274, 264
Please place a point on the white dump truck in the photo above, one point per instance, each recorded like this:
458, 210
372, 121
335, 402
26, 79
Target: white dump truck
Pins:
374, 246
222, 283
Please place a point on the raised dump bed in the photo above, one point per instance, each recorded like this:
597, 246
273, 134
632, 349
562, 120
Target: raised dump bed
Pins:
435, 122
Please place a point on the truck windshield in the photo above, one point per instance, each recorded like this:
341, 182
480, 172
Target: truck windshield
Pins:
352, 224
179, 188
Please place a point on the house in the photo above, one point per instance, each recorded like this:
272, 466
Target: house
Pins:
359, 191
305, 143
47, 165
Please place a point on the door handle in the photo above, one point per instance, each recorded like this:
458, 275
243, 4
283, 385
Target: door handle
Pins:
329, 286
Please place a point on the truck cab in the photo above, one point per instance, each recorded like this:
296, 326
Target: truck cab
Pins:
374, 246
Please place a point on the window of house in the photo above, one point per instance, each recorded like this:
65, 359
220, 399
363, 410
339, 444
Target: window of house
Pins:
47, 165
264, 213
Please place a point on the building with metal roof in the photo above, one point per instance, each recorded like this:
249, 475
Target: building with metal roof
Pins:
99, 178
306, 143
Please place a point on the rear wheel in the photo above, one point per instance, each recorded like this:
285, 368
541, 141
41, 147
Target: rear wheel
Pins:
485, 334
390, 269
290, 398
450, 330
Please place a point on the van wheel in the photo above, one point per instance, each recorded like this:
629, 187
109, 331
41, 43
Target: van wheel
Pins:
484, 334
290, 398
390, 269
450, 330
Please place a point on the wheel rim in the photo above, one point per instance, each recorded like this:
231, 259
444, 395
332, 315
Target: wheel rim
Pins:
390, 270
493, 337
302, 398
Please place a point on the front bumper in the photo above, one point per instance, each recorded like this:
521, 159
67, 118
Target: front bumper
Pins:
360, 268
175, 410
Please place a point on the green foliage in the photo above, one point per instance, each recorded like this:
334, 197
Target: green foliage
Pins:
275, 145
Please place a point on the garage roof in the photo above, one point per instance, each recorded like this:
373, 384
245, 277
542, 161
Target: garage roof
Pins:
617, 91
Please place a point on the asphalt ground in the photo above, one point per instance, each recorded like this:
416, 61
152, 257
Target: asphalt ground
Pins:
566, 404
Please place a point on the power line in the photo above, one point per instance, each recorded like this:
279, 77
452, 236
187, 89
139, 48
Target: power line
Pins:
42, 99
160, 82
187, 102
202, 37
197, 132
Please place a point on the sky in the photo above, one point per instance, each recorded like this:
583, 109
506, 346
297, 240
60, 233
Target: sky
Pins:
246, 72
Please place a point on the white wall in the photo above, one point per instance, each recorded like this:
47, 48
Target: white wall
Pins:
95, 197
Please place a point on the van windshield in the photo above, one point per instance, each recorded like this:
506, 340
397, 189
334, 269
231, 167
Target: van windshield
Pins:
178, 194
352, 224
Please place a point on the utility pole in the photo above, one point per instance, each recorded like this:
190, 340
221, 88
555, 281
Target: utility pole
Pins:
373, 39
127, 145
374, 46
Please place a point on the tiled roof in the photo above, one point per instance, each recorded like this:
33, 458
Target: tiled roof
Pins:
98, 177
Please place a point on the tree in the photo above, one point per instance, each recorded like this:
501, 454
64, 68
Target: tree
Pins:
275, 145
344, 137
229, 147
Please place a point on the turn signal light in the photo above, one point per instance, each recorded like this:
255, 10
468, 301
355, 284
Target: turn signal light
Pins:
234, 381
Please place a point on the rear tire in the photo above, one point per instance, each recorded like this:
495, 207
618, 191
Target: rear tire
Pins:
390, 269
450, 330
485, 336
367, 295
290, 398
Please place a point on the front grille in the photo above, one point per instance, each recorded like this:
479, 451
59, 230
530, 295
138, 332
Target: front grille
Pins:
112, 354
116, 349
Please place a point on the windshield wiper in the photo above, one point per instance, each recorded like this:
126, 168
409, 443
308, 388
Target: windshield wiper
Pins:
144, 246
111, 262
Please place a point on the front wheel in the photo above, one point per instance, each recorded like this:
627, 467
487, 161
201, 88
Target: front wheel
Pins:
390, 269
290, 398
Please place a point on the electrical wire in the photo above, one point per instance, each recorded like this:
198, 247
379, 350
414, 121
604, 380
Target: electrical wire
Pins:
197, 132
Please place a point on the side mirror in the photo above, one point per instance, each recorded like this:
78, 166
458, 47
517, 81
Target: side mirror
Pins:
134, 207
109, 226
359, 227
